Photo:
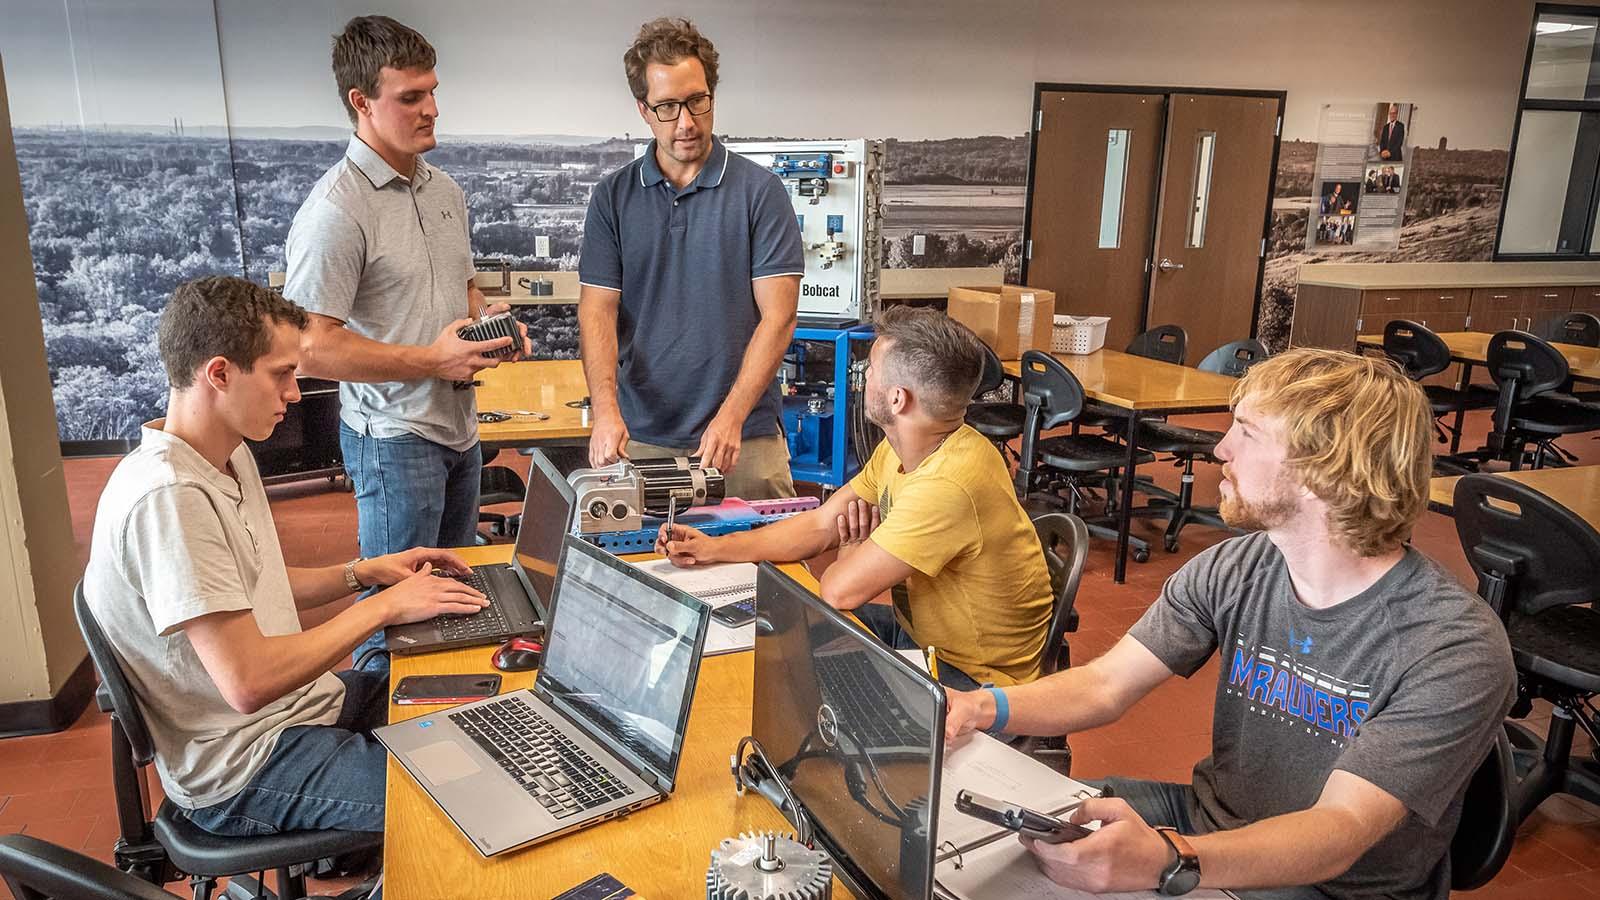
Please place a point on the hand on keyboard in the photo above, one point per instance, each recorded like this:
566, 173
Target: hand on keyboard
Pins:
397, 567
422, 596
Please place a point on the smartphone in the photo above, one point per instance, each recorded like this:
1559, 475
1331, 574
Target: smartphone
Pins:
739, 612
1020, 819
417, 689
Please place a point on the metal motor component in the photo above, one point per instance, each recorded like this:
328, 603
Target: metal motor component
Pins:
768, 866
681, 477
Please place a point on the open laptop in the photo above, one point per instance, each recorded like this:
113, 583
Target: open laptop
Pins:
856, 731
600, 734
519, 592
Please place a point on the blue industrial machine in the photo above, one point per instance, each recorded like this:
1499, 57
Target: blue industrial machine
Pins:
823, 380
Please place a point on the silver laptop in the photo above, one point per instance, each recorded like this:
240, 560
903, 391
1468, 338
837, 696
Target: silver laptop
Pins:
600, 734
519, 592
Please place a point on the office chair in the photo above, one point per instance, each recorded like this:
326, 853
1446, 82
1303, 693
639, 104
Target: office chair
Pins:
1525, 369
498, 484
39, 870
1420, 353
1583, 329
170, 846
1535, 561
998, 420
1052, 397
1165, 343
1189, 444
1065, 541
1488, 824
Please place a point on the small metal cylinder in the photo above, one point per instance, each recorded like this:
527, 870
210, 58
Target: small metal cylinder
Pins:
680, 477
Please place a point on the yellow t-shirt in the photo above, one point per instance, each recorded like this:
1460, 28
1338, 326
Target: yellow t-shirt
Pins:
980, 592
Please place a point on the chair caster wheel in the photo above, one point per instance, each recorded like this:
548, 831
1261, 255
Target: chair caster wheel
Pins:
1171, 543
1140, 556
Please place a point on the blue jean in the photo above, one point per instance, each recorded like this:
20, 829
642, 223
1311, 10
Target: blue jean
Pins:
879, 619
318, 777
410, 492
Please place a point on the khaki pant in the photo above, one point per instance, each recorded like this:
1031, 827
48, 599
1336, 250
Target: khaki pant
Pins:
762, 472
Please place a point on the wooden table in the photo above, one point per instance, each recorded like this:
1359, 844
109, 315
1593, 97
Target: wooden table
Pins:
1577, 488
1142, 387
544, 386
661, 851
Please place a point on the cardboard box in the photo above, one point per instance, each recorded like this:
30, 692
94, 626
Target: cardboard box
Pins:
1009, 318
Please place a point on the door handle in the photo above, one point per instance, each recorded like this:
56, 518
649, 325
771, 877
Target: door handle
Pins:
1167, 265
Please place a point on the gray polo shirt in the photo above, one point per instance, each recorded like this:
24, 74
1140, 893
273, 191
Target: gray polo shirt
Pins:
685, 262
389, 257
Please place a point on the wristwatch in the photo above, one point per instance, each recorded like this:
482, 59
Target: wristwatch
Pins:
1183, 874
350, 579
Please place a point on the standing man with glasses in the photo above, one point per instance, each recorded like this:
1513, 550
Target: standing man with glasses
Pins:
690, 253
379, 256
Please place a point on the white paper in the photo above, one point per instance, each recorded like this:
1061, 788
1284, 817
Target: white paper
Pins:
984, 765
1005, 869
717, 585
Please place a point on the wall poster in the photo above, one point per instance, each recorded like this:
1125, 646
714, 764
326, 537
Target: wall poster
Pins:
1360, 176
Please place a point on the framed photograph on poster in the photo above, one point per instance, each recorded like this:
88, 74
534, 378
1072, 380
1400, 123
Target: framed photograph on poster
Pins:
1391, 126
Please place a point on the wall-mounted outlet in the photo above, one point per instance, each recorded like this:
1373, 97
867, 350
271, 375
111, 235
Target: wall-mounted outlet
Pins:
541, 246
919, 244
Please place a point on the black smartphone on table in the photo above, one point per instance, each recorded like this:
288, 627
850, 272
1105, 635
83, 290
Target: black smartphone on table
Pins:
1020, 819
737, 613
418, 689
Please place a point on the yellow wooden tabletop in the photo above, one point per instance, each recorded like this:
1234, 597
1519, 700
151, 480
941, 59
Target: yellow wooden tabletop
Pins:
1473, 346
661, 851
536, 386
1576, 488
1134, 382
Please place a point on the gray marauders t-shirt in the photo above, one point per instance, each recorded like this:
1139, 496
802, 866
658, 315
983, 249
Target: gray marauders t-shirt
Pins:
1402, 685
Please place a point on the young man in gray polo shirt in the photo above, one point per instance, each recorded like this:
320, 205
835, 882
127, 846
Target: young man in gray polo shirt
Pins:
1360, 687
252, 733
691, 274
379, 255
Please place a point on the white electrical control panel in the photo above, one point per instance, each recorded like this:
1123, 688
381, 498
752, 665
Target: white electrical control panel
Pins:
836, 188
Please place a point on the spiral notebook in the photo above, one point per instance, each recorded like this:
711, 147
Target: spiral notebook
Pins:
716, 585
978, 861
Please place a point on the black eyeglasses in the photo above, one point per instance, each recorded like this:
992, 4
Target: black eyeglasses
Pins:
669, 110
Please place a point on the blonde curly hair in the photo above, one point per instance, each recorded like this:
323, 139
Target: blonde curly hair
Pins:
1358, 433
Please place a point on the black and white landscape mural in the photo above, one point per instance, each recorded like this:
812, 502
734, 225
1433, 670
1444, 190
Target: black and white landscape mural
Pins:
160, 140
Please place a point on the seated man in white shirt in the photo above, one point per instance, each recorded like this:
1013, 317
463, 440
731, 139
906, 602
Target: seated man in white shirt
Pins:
253, 733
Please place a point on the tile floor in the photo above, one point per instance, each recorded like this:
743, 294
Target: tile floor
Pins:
59, 786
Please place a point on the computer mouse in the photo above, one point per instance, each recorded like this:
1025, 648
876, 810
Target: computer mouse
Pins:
518, 655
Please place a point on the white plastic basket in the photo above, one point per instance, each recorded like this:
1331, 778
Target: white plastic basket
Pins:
1078, 334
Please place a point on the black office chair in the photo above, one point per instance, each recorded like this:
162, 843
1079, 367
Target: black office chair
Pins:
1186, 445
1583, 329
1065, 541
1488, 825
1421, 353
1536, 561
171, 846
998, 420
39, 870
1525, 369
498, 484
1165, 343
1052, 397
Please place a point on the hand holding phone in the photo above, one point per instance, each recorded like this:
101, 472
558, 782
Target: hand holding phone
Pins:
1024, 821
420, 689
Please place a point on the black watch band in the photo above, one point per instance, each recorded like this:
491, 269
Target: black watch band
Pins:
1183, 874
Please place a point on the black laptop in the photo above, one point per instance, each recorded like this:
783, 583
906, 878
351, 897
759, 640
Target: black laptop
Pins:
519, 592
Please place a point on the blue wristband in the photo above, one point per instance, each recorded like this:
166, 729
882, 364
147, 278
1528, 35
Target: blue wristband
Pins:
1002, 710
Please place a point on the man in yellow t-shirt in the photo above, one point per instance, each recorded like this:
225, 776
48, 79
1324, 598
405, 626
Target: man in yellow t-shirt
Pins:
932, 510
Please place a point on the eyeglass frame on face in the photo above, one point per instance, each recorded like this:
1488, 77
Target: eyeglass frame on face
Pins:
681, 106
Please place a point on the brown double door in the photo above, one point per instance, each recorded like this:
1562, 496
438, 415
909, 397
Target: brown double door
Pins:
1151, 208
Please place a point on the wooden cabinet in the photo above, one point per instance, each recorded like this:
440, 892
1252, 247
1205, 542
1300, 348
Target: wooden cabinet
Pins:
1534, 309
1544, 309
1440, 310
1586, 299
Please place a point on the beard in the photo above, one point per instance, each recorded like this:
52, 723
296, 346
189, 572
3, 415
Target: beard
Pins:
877, 409
1275, 509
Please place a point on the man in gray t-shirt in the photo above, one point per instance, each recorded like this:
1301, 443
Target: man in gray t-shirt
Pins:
379, 254
1360, 685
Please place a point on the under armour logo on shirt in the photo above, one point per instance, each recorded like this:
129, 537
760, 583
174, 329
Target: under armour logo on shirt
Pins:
445, 213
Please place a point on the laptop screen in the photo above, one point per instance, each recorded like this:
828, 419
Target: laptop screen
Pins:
622, 650
856, 732
546, 518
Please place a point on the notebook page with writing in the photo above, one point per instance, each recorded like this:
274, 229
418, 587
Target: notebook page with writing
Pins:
988, 766
717, 585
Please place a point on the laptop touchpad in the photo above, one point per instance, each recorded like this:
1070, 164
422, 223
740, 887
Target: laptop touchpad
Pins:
444, 762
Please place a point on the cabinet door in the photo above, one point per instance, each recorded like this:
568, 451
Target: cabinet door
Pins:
1545, 308
1445, 300
1385, 305
1586, 299
1495, 309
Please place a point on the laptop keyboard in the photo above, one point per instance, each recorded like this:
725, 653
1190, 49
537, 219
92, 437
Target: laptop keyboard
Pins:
546, 763
865, 703
487, 622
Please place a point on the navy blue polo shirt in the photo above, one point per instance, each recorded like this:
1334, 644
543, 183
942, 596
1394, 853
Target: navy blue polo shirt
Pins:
684, 262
